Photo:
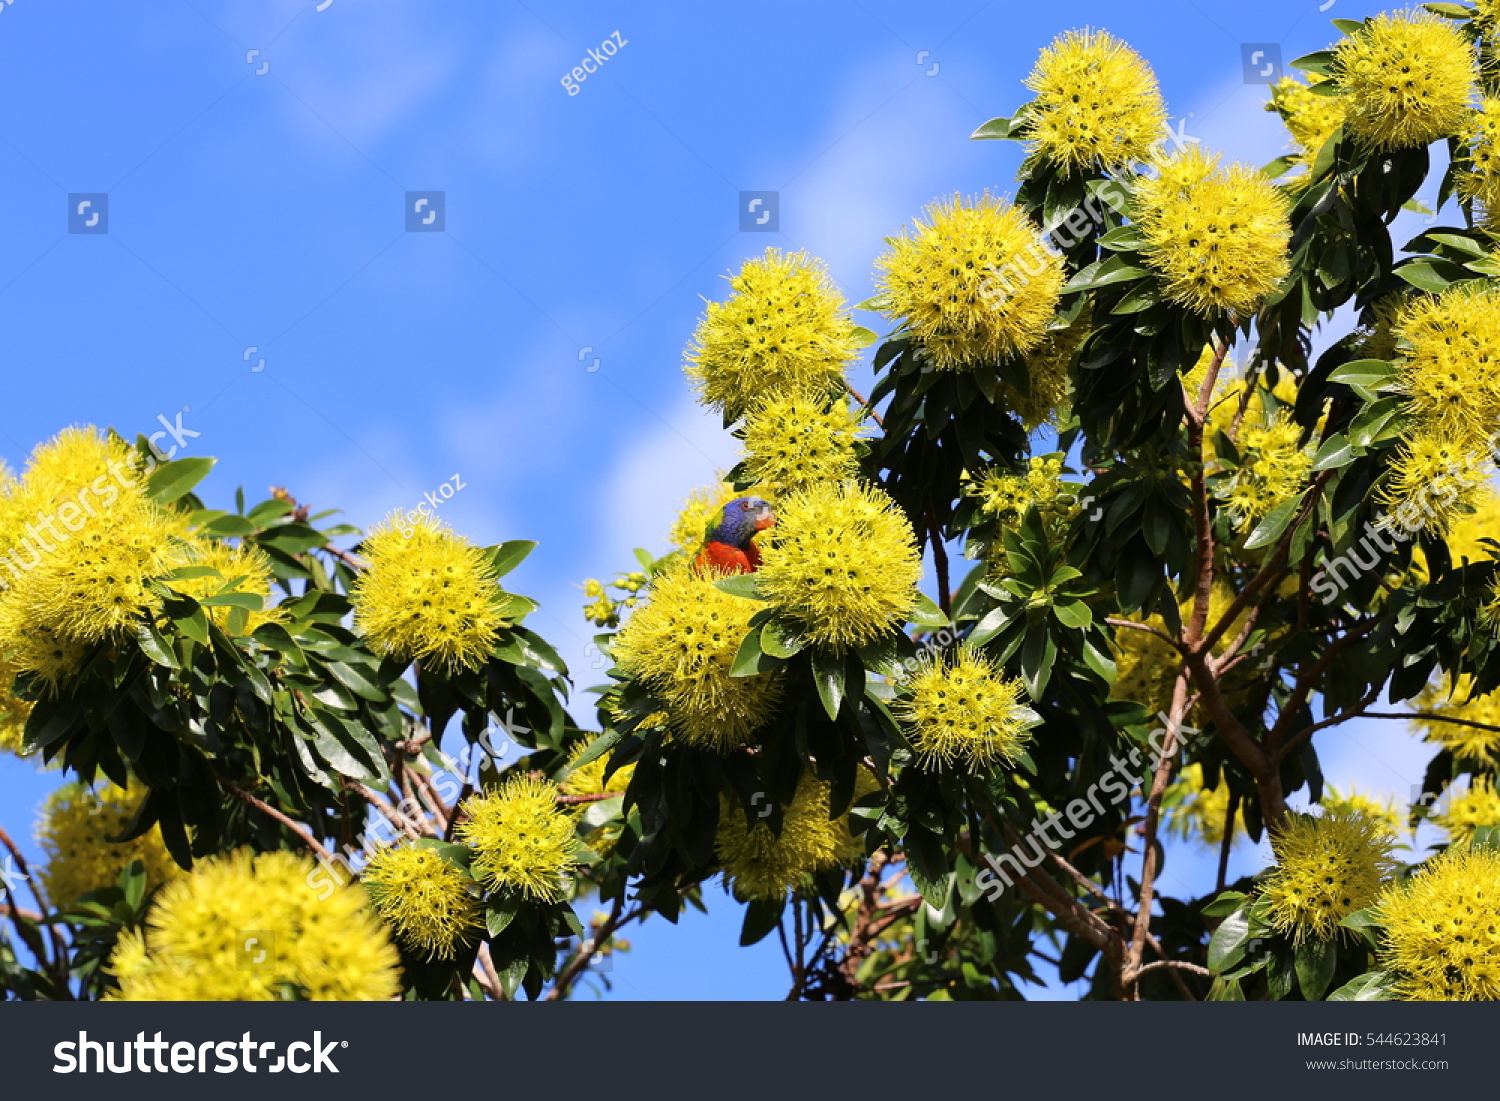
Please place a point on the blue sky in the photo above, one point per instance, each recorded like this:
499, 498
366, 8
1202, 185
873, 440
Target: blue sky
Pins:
259, 204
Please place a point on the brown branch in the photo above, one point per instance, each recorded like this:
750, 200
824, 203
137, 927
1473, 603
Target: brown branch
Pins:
271, 812
1304, 685
576, 800
1228, 842
489, 978
394, 817
1357, 711
1132, 625
857, 396
587, 947
1130, 974
1176, 965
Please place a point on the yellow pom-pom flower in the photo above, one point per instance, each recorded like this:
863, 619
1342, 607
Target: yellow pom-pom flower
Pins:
428, 902
785, 330
1194, 812
843, 563
1453, 351
1466, 533
428, 595
1327, 867
964, 713
1409, 77
792, 442
1442, 929
1479, 180
760, 864
244, 927
589, 780
682, 643
243, 569
975, 283
75, 832
1466, 811
1097, 104
1008, 497
1274, 469
1434, 481
1310, 118
1467, 743
523, 842
1047, 378
1218, 237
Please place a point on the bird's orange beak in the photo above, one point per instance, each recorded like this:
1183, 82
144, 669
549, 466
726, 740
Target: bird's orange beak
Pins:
767, 520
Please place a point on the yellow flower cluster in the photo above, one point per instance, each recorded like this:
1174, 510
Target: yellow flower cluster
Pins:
1467, 811
1327, 867
425, 899
1451, 344
604, 610
1467, 531
1310, 119
760, 864
1479, 181
682, 645
1047, 378
1008, 497
589, 780
1097, 103
248, 928
843, 563
79, 543
1442, 929
792, 442
428, 595
14, 712
1467, 743
974, 282
785, 330
1217, 237
523, 842
244, 569
74, 831
964, 712
1146, 665
1274, 469
1409, 77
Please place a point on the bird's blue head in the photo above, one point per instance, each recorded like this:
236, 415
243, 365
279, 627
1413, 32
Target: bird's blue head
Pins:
740, 520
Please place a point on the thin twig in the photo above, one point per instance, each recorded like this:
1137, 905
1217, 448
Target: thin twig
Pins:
271, 812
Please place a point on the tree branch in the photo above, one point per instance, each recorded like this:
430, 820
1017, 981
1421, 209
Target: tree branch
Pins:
271, 812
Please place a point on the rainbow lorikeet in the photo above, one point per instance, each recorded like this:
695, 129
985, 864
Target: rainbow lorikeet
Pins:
730, 543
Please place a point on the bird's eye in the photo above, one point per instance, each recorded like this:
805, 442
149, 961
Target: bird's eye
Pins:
745, 505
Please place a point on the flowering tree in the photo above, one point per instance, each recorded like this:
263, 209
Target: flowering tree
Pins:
1196, 548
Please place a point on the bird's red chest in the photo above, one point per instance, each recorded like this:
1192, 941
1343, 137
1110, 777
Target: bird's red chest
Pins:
729, 559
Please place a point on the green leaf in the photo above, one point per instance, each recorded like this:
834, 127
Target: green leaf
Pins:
1273, 524
252, 602
928, 616
761, 916
172, 480
1074, 614
742, 584
995, 128
1375, 421
498, 915
1227, 946
1227, 903
1372, 986
1335, 451
154, 646
1365, 375
1315, 965
1433, 276
863, 337
781, 639
750, 659
1317, 62
828, 675
1366, 923
507, 556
